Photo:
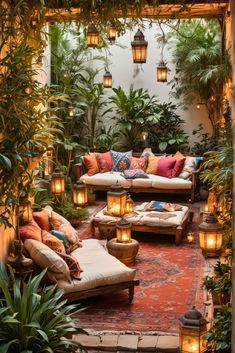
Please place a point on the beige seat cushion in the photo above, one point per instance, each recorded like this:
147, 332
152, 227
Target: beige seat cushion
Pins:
44, 257
106, 179
160, 182
142, 183
99, 268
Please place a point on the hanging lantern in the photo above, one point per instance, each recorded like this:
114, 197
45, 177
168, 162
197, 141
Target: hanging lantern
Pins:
116, 200
92, 36
107, 79
57, 182
111, 32
129, 205
139, 48
25, 211
161, 72
71, 110
192, 330
48, 160
144, 135
210, 236
123, 231
80, 194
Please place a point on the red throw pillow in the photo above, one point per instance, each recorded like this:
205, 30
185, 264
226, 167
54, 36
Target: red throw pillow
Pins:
179, 165
73, 265
91, 164
31, 231
42, 219
166, 166
138, 163
105, 162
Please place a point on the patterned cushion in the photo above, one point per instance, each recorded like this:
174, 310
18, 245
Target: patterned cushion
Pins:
73, 265
52, 242
138, 163
161, 206
188, 168
121, 160
42, 219
105, 162
91, 164
134, 173
60, 236
31, 231
62, 225
152, 164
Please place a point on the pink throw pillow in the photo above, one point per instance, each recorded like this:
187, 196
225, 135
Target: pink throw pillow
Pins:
138, 163
105, 162
31, 231
166, 166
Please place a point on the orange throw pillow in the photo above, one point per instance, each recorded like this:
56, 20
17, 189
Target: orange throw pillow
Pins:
91, 164
30, 231
153, 164
178, 155
138, 163
42, 219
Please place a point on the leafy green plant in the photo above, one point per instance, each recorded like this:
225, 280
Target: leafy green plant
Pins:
221, 268
35, 319
205, 142
68, 210
219, 336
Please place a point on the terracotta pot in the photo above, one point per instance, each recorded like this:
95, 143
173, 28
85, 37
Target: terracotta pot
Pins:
220, 299
75, 222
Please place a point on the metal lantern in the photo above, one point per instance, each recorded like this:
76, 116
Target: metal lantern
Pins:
25, 211
162, 72
129, 205
48, 160
210, 236
116, 200
190, 237
71, 110
107, 80
123, 231
92, 36
57, 182
139, 48
192, 330
80, 194
144, 135
111, 31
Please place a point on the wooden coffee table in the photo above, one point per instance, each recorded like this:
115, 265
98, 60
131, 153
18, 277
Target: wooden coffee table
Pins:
148, 222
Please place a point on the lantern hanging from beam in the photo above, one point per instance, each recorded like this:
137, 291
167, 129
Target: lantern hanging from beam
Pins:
92, 36
111, 31
139, 48
162, 72
123, 231
116, 201
80, 197
57, 182
107, 79
192, 330
210, 236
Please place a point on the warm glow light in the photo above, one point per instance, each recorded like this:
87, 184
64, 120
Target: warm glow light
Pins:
116, 201
144, 135
198, 106
112, 32
57, 182
139, 48
71, 110
107, 80
161, 72
123, 231
80, 197
92, 36
190, 237
210, 236
206, 208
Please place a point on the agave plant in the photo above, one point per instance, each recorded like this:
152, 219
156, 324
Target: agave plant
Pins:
33, 319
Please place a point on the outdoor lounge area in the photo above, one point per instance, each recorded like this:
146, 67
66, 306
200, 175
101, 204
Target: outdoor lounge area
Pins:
116, 176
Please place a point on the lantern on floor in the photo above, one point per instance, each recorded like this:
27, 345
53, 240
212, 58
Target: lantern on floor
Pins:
92, 36
123, 231
111, 31
57, 182
25, 211
162, 72
107, 79
116, 200
139, 48
210, 236
129, 205
192, 330
190, 237
80, 194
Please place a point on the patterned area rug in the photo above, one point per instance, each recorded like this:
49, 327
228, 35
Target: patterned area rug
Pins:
170, 279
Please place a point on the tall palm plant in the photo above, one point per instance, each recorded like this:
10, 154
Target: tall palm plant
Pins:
202, 66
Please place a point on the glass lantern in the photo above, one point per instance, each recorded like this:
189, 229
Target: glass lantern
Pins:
111, 31
57, 182
107, 80
25, 211
116, 201
161, 72
123, 231
139, 48
192, 330
129, 205
80, 197
210, 236
92, 36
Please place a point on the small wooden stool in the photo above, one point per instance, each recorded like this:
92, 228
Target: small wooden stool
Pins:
125, 252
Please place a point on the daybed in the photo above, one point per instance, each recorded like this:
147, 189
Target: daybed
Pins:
176, 174
87, 271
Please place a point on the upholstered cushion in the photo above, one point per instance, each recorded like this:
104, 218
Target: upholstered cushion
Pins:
188, 168
139, 163
42, 219
152, 164
162, 206
121, 160
61, 224
53, 242
30, 231
60, 236
135, 173
105, 162
44, 257
178, 167
105, 179
147, 152
170, 167
91, 164
160, 182
73, 265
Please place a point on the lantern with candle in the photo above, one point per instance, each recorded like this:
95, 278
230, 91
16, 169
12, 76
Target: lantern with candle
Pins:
80, 197
123, 231
210, 236
57, 182
129, 205
116, 201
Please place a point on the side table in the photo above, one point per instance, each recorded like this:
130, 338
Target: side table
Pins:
125, 252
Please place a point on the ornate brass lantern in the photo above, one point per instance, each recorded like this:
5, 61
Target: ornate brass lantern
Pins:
107, 80
116, 200
139, 48
57, 182
123, 231
111, 31
92, 36
162, 72
80, 194
210, 236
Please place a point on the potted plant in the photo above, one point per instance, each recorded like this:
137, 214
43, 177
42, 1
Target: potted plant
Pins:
35, 320
220, 288
73, 214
